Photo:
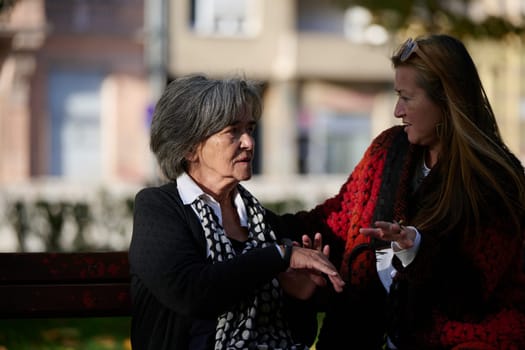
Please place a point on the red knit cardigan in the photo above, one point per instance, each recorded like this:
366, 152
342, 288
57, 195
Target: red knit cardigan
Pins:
498, 257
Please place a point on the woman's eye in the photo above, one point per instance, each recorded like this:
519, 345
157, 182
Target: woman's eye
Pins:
231, 130
401, 97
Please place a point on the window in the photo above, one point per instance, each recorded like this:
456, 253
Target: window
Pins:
233, 18
75, 109
335, 142
335, 122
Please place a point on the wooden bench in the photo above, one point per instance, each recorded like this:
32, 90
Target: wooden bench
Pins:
54, 285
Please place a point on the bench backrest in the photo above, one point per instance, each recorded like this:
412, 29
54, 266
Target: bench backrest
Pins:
64, 285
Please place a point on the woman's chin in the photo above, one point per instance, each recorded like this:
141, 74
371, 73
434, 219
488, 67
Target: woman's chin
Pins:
243, 175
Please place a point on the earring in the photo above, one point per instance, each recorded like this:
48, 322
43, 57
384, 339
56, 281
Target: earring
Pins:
439, 130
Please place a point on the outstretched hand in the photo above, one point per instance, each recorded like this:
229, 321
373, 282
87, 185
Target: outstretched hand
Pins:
391, 231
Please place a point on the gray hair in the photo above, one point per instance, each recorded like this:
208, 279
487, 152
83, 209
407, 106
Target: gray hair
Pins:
191, 109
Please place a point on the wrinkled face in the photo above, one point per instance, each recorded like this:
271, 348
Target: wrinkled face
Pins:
225, 158
417, 111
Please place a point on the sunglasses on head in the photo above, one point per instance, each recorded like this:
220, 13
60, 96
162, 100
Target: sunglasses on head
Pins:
407, 49
410, 47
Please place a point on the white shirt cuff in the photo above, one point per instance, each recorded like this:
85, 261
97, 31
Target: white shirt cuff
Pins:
407, 255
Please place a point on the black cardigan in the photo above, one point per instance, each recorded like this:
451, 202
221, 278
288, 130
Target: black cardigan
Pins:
173, 283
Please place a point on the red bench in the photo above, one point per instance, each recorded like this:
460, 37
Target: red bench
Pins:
51, 285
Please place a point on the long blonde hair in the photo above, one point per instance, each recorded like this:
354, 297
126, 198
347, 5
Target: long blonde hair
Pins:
473, 156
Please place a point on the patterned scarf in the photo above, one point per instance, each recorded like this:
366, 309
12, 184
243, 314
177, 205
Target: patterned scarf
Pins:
256, 322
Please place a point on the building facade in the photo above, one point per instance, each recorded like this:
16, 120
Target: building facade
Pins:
328, 81
75, 92
79, 79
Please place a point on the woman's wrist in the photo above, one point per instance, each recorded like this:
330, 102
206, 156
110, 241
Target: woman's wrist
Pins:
407, 255
408, 241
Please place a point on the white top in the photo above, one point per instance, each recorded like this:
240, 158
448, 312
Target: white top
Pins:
385, 269
189, 191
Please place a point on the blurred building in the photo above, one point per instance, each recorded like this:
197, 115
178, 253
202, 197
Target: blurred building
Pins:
74, 92
79, 78
328, 81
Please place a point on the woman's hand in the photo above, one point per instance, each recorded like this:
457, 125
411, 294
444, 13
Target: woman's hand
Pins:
298, 283
306, 267
391, 231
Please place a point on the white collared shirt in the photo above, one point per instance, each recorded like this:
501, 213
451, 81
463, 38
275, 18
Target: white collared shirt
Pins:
385, 269
189, 191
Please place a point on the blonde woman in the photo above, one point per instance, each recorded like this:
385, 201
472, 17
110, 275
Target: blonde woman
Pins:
428, 230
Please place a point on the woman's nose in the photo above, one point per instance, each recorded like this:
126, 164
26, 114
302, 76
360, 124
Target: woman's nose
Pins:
399, 111
247, 141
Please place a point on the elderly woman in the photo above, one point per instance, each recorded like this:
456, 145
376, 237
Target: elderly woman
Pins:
206, 259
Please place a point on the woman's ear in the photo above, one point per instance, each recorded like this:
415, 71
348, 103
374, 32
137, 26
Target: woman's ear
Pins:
192, 155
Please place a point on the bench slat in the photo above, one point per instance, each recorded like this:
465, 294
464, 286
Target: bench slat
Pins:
62, 300
50, 285
51, 268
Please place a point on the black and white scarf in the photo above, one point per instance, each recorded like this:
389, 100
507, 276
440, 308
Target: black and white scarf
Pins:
257, 321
